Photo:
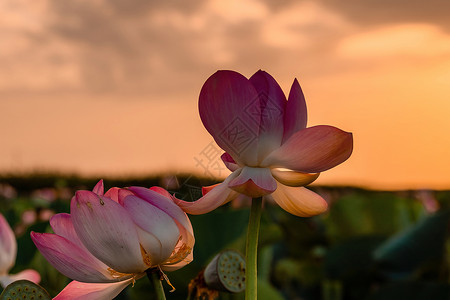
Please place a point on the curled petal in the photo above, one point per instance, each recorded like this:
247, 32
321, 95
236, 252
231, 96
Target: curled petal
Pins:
230, 110
299, 201
107, 231
69, 259
99, 188
254, 182
292, 178
272, 102
8, 246
312, 150
216, 197
295, 116
92, 291
159, 233
229, 162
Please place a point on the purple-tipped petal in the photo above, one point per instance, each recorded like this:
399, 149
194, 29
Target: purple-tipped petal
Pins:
107, 231
230, 110
69, 259
295, 117
272, 109
254, 182
8, 246
92, 291
216, 197
292, 178
312, 150
299, 201
159, 233
229, 162
99, 188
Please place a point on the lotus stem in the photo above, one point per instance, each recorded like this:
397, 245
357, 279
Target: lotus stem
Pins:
154, 276
251, 274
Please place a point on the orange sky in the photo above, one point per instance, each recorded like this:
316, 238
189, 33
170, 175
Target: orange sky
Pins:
105, 87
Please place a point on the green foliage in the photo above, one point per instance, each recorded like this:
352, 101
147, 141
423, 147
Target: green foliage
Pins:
370, 245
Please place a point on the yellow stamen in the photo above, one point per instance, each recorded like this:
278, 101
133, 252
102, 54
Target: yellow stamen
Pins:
166, 279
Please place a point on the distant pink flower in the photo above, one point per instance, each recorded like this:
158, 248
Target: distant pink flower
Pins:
268, 148
8, 252
109, 240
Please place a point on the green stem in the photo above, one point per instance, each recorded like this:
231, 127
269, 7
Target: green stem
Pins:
155, 278
252, 250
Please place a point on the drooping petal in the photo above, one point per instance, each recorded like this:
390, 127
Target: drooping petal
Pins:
254, 182
312, 150
164, 203
230, 110
299, 201
159, 233
229, 162
92, 291
8, 246
107, 231
69, 259
216, 197
293, 178
28, 274
99, 188
272, 108
295, 116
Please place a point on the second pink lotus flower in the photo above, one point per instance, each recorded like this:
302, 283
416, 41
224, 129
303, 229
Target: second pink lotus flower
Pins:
268, 147
109, 240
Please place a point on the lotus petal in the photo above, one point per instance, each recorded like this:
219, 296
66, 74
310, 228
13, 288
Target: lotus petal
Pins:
216, 197
69, 259
293, 178
228, 104
312, 150
107, 231
254, 182
299, 201
8, 246
295, 116
92, 291
272, 102
159, 233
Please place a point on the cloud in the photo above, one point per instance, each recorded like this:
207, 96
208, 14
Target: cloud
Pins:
411, 40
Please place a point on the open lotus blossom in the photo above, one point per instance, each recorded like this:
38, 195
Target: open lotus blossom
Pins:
8, 252
110, 239
268, 147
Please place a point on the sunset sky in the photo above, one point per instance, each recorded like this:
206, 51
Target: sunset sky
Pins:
111, 86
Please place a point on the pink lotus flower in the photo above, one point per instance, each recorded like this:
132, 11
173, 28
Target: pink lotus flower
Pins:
8, 252
109, 240
268, 148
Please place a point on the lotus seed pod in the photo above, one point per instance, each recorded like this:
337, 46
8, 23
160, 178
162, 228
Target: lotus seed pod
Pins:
24, 290
226, 272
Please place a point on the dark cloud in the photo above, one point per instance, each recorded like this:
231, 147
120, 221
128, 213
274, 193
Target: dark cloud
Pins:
376, 12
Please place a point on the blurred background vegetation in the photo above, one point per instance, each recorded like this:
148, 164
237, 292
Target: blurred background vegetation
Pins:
370, 245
